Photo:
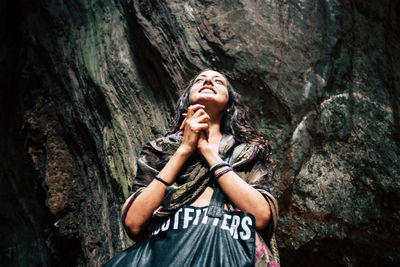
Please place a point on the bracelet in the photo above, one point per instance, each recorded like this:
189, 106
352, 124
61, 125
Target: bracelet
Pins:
222, 173
218, 165
161, 180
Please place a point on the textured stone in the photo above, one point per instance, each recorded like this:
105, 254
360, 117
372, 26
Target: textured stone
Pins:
86, 83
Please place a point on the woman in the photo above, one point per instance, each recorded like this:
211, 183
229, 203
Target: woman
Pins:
191, 207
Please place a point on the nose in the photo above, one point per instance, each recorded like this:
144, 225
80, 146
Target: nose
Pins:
207, 80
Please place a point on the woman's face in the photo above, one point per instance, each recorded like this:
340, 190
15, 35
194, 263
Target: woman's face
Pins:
210, 87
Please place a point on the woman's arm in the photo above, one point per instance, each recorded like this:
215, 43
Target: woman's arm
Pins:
240, 193
140, 212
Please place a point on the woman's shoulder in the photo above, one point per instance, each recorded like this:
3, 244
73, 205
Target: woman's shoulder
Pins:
246, 154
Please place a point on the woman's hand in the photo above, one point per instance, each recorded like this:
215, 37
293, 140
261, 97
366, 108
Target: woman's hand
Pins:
204, 145
196, 121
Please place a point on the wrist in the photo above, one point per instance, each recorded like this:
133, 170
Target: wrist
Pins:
184, 151
219, 165
205, 150
211, 156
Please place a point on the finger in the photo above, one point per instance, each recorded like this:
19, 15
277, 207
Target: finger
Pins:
197, 106
201, 127
202, 118
183, 122
205, 133
199, 113
193, 108
182, 125
197, 127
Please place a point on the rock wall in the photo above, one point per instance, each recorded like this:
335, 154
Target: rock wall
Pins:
86, 83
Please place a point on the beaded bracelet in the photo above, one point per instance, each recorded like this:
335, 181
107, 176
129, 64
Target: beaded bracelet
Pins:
218, 165
161, 180
222, 173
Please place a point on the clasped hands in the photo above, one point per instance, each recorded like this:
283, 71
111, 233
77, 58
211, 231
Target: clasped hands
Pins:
196, 131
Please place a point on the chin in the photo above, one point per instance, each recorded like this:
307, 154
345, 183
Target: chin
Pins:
211, 104
206, 101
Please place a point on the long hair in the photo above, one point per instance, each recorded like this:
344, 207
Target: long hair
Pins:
234, 122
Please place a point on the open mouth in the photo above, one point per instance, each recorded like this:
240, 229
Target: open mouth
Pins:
207, 89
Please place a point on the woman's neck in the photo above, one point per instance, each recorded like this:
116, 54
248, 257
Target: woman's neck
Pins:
216, 116
215, 134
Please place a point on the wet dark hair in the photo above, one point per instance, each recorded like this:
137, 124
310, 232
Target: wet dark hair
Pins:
234, 122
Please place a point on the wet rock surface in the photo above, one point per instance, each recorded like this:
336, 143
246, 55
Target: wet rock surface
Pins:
85, 84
